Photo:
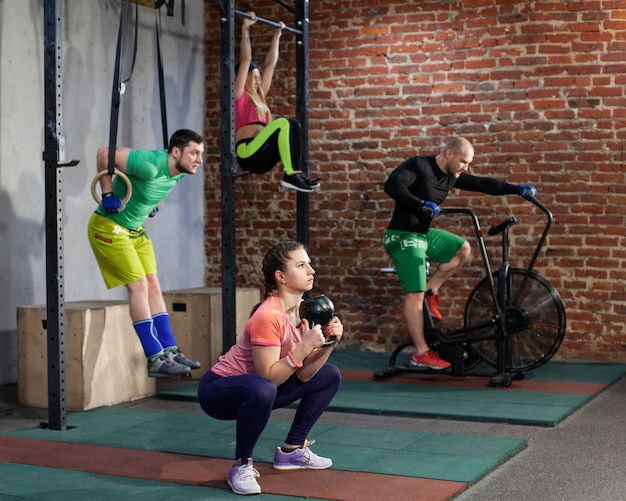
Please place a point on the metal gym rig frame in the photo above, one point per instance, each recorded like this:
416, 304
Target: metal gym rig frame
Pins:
228, 161
53, 157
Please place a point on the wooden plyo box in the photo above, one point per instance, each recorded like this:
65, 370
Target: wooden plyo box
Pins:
104, 360
196, 319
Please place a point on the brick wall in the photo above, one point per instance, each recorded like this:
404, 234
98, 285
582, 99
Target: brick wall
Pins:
538, 87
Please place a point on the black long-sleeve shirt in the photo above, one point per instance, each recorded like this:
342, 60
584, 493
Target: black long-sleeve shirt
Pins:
419, 179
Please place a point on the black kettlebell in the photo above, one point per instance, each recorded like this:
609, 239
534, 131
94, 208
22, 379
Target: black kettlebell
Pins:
318, 310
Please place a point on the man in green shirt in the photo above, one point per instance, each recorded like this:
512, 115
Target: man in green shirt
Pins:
123, 250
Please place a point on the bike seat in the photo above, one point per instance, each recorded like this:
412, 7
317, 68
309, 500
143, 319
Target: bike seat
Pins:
494, 230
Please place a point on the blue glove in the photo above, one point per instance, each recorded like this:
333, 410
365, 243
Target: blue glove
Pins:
431, 207
111, 203
528, 191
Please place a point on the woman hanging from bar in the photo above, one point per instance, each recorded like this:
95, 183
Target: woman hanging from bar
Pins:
260, 141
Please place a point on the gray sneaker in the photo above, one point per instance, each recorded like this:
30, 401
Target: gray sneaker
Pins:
180, 358
300, 459
242, 478
165, 366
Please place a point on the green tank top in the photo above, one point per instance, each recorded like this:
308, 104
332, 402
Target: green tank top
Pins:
149, 174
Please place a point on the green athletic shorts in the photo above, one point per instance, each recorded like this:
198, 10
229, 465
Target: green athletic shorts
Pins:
124, 256
410, 251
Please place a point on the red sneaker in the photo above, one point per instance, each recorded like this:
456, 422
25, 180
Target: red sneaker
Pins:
432, 300
429, 359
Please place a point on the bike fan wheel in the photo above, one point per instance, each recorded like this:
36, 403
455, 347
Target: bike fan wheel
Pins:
535, 320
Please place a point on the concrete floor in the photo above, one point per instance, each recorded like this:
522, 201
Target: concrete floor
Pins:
581, 459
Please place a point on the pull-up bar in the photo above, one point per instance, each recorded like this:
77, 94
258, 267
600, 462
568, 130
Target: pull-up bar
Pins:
267, 21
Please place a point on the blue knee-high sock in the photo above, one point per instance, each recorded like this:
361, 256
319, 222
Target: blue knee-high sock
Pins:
164, 331
148, 337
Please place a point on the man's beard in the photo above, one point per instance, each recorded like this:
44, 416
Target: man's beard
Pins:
181, 168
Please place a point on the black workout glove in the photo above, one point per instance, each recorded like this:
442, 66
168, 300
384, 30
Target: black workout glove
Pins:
111, 203
431, 209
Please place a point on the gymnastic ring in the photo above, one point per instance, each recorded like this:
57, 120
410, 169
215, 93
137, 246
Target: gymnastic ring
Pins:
129, 186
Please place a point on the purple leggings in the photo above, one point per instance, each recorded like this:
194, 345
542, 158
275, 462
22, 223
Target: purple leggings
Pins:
250, 400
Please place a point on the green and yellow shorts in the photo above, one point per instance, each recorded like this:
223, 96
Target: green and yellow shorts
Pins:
124, 256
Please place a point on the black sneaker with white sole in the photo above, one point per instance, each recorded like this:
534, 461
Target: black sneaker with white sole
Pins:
313, 183
296, 182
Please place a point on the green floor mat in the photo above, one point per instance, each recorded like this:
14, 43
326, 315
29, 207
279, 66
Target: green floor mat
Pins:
455, 401
554, 370
579, 372
531, 408
498, 405
441, 456
52, 484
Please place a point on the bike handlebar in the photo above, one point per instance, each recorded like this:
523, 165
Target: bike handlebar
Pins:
550, 220
526, 196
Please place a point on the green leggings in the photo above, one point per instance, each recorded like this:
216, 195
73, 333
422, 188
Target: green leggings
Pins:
278, 141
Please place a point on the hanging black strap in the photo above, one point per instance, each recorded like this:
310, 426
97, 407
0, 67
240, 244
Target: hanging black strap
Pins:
116, 92
161, 80
170, 12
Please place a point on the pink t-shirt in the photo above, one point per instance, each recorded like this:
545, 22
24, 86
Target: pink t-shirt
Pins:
246, 112
268, 326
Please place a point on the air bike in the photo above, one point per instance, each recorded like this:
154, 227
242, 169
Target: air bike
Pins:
514, 319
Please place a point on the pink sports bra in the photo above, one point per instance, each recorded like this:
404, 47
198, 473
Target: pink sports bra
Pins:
245, 112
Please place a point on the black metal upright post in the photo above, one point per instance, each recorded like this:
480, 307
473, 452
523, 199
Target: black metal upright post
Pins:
228, 168
53, 155
302, 112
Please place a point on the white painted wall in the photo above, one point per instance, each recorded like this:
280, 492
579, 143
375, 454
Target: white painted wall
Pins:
89, 41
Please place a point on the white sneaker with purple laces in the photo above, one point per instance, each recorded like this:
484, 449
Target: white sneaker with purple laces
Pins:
242, 478
300, 459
